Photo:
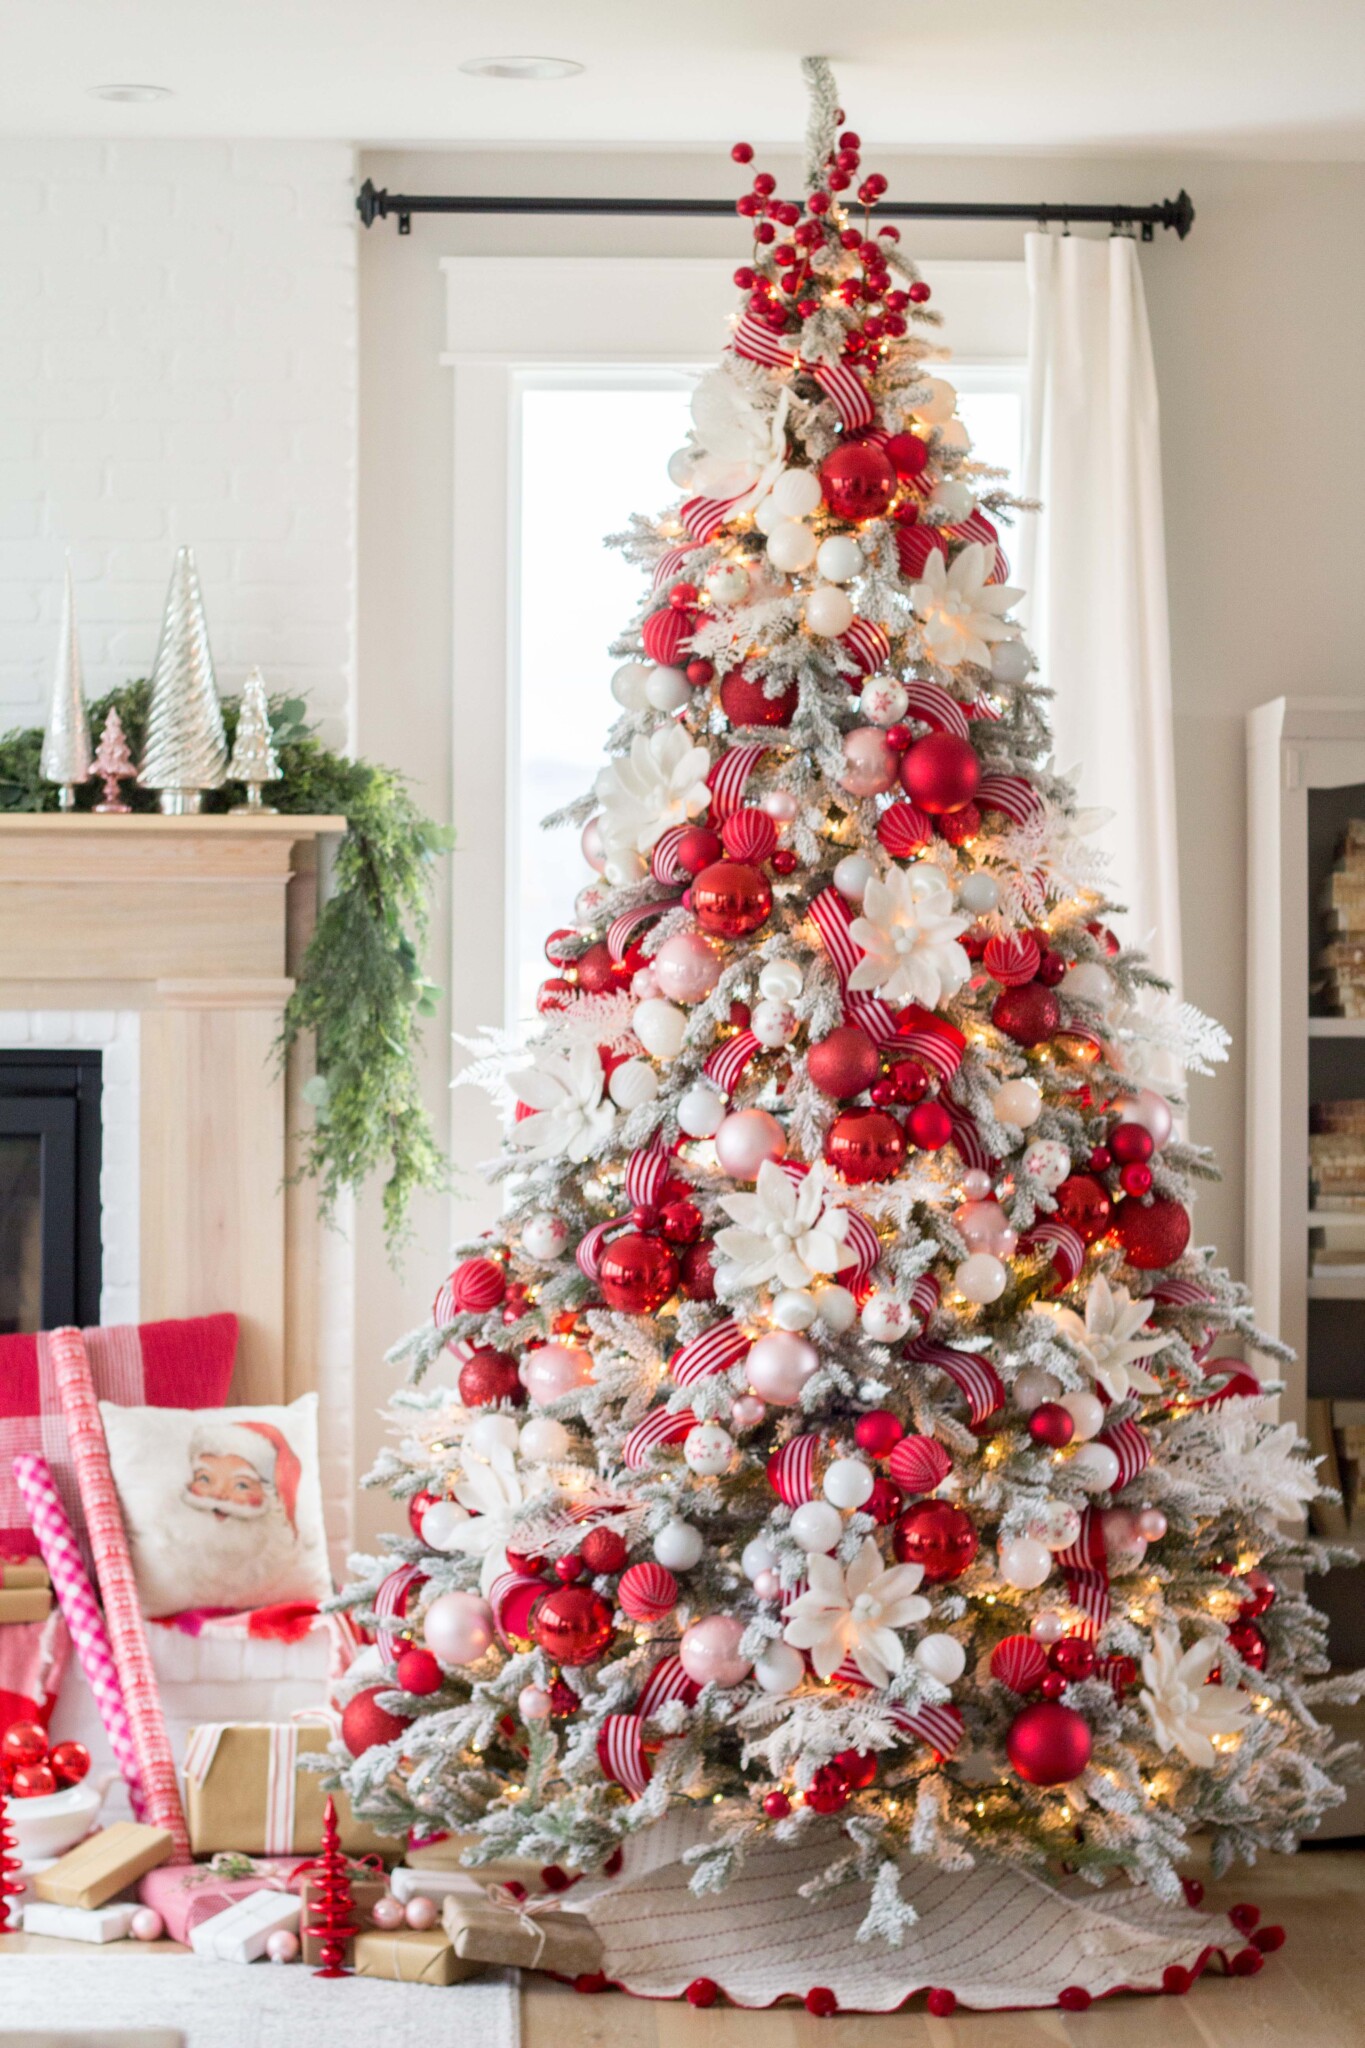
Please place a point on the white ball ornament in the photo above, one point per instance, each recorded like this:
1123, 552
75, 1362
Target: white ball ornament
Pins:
589, 901
757, 1556
836, 1308
840, 559
981, 1278
625, 866
1019, 1103
797, 493
1056, 1524
1086, 1411
979, 892
590, 845
745, 1139
680, 466
795, 1309
852, 875
938, 407
544, 1237
708, 1449
773, 1022
442, 1523
884, 701
779, 1366
701, 1111
632, 1084
781, 981
1095, 1466
780, 1669
829, 611
942, 1657
668, 689
1010, 661
885, 1319
544, 1441
816, 1526
534, 1703
1032, 1387
489, 1433
660, 1027
768, 514
954, 500
1048, 1627
791, 547
458, 1628
726, 583
1048, 1162
848, 1483
1024, 1562
678, 1546
1090, 982
780, 804
628, 685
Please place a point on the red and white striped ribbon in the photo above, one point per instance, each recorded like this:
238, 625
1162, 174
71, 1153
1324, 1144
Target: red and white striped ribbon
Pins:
874, 1017
923, 1035
622, 929
838, 381
834, 922
667, 1681
646, 1172
973, 1376
1012, 794
664, 864
727, 779
1085, 1567
507, 1587
726, 1063
942, 1727
389, 1604
931, 705
668, 565
1186, 1294
715, 1350
621, 1752
970, 1146
704, 517
758, 342
985, 708
1130, 1446
1063, 1241
791, 1470
977, 527
924, 1298
869, 644
660, 1426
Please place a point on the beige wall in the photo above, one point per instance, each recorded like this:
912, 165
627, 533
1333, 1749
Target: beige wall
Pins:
1257, 323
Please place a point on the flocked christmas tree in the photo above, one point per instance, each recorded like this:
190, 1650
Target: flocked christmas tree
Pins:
845, 1424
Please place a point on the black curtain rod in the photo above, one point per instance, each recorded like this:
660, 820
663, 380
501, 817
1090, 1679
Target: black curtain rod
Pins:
373, 203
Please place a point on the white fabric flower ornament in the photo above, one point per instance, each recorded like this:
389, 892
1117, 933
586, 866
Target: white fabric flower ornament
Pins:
959, 612
908, 933
743, 440
660, 783
856, 1613
1106, 1340
1185, 1710
1260, 1467
786, 1235
566, 1089
492, 1491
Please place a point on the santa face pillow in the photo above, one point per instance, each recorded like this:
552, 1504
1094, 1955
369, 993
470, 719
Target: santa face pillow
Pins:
222, 1506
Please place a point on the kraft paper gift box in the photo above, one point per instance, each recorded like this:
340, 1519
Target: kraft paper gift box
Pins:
366, 1887
240, 1932
410, 1957
104, 1864
248, 1789
492, 1926
25, 1603
186, 1894
79, 1923
21, 1574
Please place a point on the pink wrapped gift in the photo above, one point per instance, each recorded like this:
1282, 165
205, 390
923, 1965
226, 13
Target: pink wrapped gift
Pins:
187, 1894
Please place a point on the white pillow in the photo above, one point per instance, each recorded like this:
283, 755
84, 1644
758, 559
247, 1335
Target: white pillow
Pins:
223, 1506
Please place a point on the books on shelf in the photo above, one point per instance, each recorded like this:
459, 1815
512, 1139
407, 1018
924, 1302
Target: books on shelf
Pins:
1341, 959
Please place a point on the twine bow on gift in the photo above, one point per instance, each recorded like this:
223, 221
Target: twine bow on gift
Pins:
525, 1911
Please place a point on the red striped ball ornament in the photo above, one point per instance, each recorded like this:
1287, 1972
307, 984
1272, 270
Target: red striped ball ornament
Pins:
477, 1285
904, 829
647, 1592
749, 835
1019, 1663
1012, 958
918, 1464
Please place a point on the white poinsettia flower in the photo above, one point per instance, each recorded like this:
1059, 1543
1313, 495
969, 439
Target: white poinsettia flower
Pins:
661, 782
856, 1613
1260, 1467
575, 1115
1185, 1710
786, 1236
959, 612
492, 1491
1106, 1341
743, 438
908, 933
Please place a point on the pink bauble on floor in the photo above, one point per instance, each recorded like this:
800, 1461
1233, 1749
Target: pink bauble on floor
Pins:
421, 1914
552, 1370
282, 1946
687, 967
458, 1628
147, 1924
745, 1139
387, 1912
710, 1651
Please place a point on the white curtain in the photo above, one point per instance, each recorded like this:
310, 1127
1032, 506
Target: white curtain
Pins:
1094, 565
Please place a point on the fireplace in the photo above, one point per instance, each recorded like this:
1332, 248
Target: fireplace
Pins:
50, 1252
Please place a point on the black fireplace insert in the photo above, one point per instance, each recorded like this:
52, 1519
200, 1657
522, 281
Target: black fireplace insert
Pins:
49, 1189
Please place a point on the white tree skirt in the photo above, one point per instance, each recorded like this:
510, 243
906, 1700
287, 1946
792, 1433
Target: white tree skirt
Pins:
251, 2005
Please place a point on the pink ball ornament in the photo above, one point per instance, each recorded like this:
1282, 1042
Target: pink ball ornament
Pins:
594, 852
387, 1912
780, 804
534, 1703
747, 1411
709, 1651
147, 1924
1047, 1627
458, 1628
984, 1227
1125, 1546
1151, 1524
779, 1366
871, 763
746, 1139
282, 1946
421, 1914
1150, 1110
687, 967
552, 1370
767, 1585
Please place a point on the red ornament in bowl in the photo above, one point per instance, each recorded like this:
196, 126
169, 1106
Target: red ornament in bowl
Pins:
33, 1781
23, 1743
858, 480
731, 899
865, 1145
637, 1274
745, 702
939, 1537
69, 1762
573, 1625
940, 773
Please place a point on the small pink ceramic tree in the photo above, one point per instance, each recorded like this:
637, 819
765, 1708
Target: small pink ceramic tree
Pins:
112, 761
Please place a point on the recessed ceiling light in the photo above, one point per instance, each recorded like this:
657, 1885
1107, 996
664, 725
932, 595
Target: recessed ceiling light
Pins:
522, 67
131, 94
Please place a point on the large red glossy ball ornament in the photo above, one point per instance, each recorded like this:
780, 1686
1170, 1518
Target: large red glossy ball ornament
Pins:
1051, 1425
598, 974
697, 1276
490, 1376
23, 1743
730, 899
843, 1063
1084, 1204
603, 1550
1029, 1014
419, 1672
477, 1285
1048, 1744
938, 1536
573, 1625
1153, 1234
864, 1145
69, 1762
637, 1274
697, 848
940, 773
744, 702
364, 1724
1131, 1144
859, 1767
1246, 1639
929, 1125
33, 1781
859, 480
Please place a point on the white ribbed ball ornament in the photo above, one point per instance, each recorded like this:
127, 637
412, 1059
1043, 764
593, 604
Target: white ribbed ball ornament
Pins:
632, 1084
668, 689
829, 611
836, 1308
797, 493
544, 1441
780, 1669
544, 1237
1086, 1411
840, 559
678, 1546
852, 875
816, 1526
794, 1309
701, 1111
939, 406
781, 981
628, 685
791, 547
708, 1450
848, 1483
1024, 1562
768, 514
981, 1278
660, 1027
943, 1657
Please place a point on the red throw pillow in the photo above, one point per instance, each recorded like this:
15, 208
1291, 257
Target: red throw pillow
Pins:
146, 1365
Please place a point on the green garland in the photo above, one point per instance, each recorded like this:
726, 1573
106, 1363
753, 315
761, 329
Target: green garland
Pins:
360, 988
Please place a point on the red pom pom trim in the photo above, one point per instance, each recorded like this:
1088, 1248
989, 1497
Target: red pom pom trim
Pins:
820, 2001
702, 1991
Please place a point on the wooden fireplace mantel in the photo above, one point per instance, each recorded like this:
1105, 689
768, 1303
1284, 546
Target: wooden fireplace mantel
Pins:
198, 923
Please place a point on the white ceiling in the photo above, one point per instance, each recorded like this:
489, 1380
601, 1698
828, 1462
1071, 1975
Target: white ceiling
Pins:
1254, 77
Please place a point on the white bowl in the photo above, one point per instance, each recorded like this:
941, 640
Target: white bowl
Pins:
46, 1827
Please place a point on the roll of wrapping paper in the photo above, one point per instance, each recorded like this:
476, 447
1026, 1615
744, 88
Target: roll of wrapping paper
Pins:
118, 1587
80, 1610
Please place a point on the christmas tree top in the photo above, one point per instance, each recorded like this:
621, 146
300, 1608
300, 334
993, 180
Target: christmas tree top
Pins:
843, 1423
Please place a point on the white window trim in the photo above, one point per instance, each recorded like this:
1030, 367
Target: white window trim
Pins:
511, 325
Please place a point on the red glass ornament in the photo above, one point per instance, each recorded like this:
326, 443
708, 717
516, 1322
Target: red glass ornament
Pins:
1048, 1744
731, 899
910, 1081
1136, 1179
858, 480
1153, 1234
1129, 1142
1074, 1657
1052, 1685
884, 1502
419, 1672
69, 1762
680, 1222
859, 1767
33, 1781
843, 1063
940, 772
827, 1791
489, 1376
744, 702
1263, 1592
1052, 968
919, 293
1107, 941
1083, 1203
603, 1550
743, 152
940, 1537
1101, 1159
637, 1274
573, 1625
23, 1743
697, 1277
959, 827
568, 1568
776, 1805
698, 848
702, 1992
878, 1432
598, 974
929, 1125
1246, 1639
363, 1723
864, 1145
784, 861
1121, 1673
908, 453
1051, 1425
1029, 1015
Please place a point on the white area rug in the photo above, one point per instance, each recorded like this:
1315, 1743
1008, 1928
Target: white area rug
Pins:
250, 2005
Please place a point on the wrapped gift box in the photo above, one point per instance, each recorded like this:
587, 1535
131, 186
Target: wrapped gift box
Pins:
104, 1864
80, 1923
410, 1957
186, 1894
25, 1603
240, 1932
491, 1926
365, 1889
22, 1573
248, 1789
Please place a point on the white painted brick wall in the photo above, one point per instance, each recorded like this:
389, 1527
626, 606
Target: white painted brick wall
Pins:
178, 363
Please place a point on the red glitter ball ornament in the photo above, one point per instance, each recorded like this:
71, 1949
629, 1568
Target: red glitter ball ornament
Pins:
941, 2002
1048, 1744
637, 1274
827, 1791
940, 773
1052, 1425
731, 899
858, 480
697, 1276
1153, 1234
959, 828
865, 1145
1083, 1203
603, 1550
939, 1537
573, 1625
744, 702
489, 1376
820, 2001
1263, 1592
843, 1063
364, 1724
1029, 1014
